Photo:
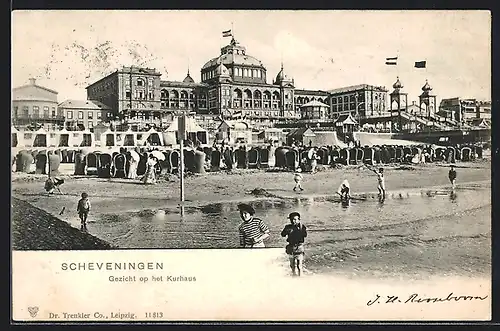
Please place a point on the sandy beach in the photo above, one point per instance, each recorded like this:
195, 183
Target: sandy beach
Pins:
471, 253
123, 195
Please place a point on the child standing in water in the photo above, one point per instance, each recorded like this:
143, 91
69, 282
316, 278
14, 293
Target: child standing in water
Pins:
297, 177
83, 210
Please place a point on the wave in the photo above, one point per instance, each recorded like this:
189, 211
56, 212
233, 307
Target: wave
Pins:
394, 225
411, 240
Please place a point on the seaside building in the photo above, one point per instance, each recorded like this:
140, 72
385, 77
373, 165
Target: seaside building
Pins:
465, 111
83, 114
234, 83
35, 107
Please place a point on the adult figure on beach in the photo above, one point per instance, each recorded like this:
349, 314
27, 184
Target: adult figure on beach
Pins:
150, 175
295, 232
252, 231
452, 176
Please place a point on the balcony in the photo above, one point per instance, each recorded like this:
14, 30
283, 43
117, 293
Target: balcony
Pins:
38, 118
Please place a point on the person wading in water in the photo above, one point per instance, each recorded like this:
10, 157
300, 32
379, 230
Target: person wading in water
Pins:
253, 230
295, 232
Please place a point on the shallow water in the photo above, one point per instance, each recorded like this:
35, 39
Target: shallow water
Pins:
335, 232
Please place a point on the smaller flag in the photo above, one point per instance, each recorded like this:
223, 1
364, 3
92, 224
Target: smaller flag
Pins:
420, 64
391, 61
226, 33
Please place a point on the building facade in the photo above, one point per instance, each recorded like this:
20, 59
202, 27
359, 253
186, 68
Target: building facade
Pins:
132, 93
35, 106
363, 102
464, 110
232, 83
83, 114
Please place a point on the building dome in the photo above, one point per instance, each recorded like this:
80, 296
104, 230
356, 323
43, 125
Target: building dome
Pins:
397, 84
188, 79
426, 87
231, 59
281, 76
233, 54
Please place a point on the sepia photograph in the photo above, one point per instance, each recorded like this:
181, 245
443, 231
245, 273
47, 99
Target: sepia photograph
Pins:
345, 152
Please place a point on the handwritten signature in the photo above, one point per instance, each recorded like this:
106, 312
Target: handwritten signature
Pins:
416, 298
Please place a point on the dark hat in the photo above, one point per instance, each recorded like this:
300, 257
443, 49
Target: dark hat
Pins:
293, 214
247, 208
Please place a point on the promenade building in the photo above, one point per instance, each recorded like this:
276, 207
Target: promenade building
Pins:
35, 106
83, 114
234, 83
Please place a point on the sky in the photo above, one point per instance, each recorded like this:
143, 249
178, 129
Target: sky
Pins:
321, 50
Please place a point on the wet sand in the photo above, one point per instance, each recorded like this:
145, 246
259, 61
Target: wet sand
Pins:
123, 195
456, 256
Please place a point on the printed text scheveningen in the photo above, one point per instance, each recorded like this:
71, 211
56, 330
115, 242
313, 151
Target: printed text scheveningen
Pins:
91, 266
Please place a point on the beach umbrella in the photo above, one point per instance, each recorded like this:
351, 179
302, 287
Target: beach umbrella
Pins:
159, 155
135, 156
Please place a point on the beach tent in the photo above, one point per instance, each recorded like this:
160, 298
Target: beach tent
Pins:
194, 132
41, 137
108, 137
130, 138
152, 138
14, 137
64, 138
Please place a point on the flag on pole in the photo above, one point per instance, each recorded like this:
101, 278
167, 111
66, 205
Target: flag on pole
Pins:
391, 61
420, 64
226, 33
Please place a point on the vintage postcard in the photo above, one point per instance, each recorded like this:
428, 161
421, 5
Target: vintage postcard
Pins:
251, 166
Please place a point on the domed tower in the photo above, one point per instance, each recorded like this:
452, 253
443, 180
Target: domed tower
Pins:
428, 100
233, 65
286, 85
241, 66
399, 102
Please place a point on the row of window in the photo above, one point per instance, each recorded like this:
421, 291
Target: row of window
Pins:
36, 111
183, 95
141, 82
140, 95
110, 84
238, 72
90, 115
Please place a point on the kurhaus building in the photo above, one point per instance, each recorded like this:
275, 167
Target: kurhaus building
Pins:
232, 83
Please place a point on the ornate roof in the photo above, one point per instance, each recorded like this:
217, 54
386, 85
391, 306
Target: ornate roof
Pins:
281, 76
397, 84
188, 79
233, 54
426, 87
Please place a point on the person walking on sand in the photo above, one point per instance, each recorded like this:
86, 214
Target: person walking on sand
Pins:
295, 232
452, 176
252, 231
381, 181
150, 175
297, 177
83, 210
